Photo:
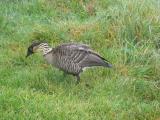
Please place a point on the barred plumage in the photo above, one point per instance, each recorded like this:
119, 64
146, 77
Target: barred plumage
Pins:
71, 58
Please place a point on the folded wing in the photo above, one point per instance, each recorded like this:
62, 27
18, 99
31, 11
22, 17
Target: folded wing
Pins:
81, 55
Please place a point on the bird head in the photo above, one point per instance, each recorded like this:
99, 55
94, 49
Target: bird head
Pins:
36, 47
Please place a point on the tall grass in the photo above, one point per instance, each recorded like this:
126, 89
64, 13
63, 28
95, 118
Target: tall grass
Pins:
125, 32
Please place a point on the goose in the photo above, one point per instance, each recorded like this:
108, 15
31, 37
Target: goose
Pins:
71, 58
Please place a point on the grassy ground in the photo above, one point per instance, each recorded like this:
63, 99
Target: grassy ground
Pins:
126, 32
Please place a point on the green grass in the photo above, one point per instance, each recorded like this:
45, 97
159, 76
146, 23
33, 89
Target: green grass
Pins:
125, 32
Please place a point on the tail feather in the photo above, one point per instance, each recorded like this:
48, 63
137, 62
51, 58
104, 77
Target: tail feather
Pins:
94, 59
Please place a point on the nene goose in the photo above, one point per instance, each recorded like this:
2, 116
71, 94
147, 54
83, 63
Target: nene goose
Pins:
71, 58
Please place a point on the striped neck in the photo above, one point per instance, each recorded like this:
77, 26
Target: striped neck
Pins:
45, 48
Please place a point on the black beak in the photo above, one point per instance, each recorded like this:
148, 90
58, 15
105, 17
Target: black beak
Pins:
29, 53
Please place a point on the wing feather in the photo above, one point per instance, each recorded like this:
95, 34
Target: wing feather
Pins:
81, 55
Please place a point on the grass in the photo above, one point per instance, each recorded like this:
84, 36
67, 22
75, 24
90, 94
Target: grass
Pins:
125, 32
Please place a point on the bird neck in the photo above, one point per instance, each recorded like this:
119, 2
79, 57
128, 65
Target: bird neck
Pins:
45, 48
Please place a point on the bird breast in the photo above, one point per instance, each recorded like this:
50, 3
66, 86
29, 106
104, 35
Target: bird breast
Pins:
50, 58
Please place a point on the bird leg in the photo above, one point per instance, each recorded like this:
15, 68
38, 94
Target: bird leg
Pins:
78, 79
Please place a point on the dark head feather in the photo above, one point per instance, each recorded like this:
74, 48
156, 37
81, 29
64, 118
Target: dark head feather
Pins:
34, 44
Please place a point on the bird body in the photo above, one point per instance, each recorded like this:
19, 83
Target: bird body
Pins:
71, 58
